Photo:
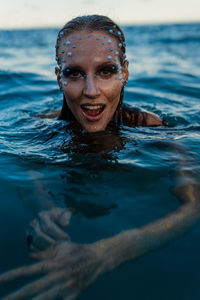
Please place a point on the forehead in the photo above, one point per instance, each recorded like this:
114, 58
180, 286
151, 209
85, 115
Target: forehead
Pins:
85, 46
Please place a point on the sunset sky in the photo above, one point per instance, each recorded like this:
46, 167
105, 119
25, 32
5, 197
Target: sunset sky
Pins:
53, 13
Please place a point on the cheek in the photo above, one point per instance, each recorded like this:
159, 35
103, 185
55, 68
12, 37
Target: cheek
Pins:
73, 93
112, 91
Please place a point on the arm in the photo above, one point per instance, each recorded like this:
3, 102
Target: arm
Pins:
67, 267
131, 244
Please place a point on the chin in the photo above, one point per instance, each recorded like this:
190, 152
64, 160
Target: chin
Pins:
93, 127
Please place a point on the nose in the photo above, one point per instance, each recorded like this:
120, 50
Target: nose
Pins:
91, 89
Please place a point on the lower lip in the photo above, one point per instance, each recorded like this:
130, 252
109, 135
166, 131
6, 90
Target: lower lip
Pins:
93, 118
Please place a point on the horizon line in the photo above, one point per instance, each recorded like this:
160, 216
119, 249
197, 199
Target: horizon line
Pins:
142, 23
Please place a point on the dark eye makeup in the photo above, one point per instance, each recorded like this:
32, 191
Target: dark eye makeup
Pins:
73, 72
106, 70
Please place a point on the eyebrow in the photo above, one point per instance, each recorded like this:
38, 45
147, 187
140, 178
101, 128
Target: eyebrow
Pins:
79, 68
107, 64
73, 67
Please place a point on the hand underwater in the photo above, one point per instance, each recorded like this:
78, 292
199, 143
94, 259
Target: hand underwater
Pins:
45, 229
67, 268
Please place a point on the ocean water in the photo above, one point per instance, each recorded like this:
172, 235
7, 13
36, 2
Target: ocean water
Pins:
113, 180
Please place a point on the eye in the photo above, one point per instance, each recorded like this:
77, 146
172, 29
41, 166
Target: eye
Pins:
73, 74
107, 71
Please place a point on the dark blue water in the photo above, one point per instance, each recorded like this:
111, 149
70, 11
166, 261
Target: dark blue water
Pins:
113, 181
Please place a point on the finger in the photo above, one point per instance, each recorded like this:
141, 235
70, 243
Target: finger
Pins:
64, 217
35, 287
51, 294
56, 292
60, 215
39, 268
44, 255
71, 297
40, 239
51, 229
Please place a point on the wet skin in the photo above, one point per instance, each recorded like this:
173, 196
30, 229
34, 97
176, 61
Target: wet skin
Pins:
92, 77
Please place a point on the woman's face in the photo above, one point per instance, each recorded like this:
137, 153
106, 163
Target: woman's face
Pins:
91, 77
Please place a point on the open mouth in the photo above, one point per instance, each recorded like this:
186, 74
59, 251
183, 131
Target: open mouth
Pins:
93, 112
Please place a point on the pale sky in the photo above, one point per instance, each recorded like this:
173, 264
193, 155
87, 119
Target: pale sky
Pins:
54, 13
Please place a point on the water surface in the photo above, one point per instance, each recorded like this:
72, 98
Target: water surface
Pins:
116, 180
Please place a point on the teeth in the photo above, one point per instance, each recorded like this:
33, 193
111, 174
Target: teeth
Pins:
94, 107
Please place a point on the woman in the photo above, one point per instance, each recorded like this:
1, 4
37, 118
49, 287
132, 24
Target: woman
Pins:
92, 72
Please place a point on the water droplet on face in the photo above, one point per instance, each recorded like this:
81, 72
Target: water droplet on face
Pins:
109, 57
110, 30
89, 35
69, 54
104, 37
102, 43
63, 51
118, 32
117, 52
74, 46
120, 45
97, 39
68, 42
109, 41
111, 49
62, 60
61, 33
80, 38
64, 83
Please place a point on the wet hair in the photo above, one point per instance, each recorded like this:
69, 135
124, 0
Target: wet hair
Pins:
92, 23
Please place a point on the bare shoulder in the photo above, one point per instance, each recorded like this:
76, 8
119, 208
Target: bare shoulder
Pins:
153, 119
50, 115
133, 116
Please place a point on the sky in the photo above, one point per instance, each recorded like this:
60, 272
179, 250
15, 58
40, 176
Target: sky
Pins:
55, 13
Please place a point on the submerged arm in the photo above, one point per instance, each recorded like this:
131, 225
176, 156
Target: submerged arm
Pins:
69, 267
133, 243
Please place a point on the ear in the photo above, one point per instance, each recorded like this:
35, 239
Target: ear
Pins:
57, 72
125, 72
